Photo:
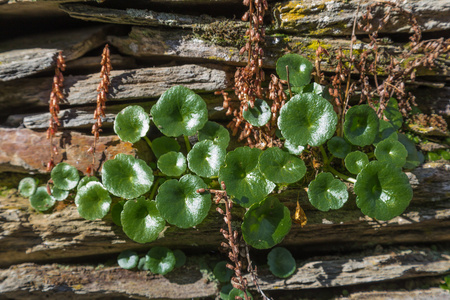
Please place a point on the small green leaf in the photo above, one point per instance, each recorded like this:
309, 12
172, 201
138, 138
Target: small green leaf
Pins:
221, 272
41, 200
361, 125
386, 131
281, 167
356, 161
85, 180
392, 113
339, 147
383, 191
127, 177
281, 263
179, 111
59, 194
172, 163
163, 145
238, 293
180, 204
93, 201
27, 186
391, 151
432, 156
325, 192
141, 220
160, 260
242, 177
307, 119
225, 291
65, 176
413, 159
141, 264
216, 133
259, 115
266, 223
131, 123
128, 259
180, 258
445, 154
206, 158
293, 149
300, 69
116, 211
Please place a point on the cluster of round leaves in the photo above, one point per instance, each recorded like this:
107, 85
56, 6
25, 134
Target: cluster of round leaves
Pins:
64, 177
158, 260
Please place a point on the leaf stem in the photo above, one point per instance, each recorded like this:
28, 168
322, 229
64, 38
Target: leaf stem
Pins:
188, 144
324, 154
154, 189
289, 85
149, 143
340, 175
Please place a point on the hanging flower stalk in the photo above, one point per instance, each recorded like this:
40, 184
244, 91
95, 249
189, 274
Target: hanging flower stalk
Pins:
55, 97
99, 112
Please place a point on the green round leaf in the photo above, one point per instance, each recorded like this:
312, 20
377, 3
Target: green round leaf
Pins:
206, 158
83, 181
356, 161
93, 201
128, 259
386, 131
242, 177
300, 69
141, 220
392, 152
281, 167
266, 223
116, 211
383, 191
361, 125
172, 163
293, 149
179, 111
221, 272
59, 194
392, 113
281, 263
179, 202
216, 133
307, 119
180, 258
27, 186
160, 260
142, 266
339, 147
238, 293
41, 200
132, 123
65, 176
325, 192
413, 159
259, 115
127, 177
225, 291
163, 145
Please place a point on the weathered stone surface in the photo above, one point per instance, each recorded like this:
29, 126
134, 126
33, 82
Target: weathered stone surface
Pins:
182, 44
358, 270
132, 16
26, 56
23, 150
433, 293
133, 84
335, 17
30, 236
69, 282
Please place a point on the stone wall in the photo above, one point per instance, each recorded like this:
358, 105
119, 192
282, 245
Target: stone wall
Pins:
157, 44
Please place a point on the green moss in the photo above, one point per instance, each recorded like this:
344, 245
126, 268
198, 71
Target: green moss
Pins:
222, 32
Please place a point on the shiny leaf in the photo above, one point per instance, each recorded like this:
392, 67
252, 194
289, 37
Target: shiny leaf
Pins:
281, 167
300, 69
65, 176
41, 200
216, 133
160, 260
325, 192
27, 186
356, 161
361, 125
339, 147
93, 201
163, 145
132, 123
281, 263
172, 163
206, 158
259, 115
391, 151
